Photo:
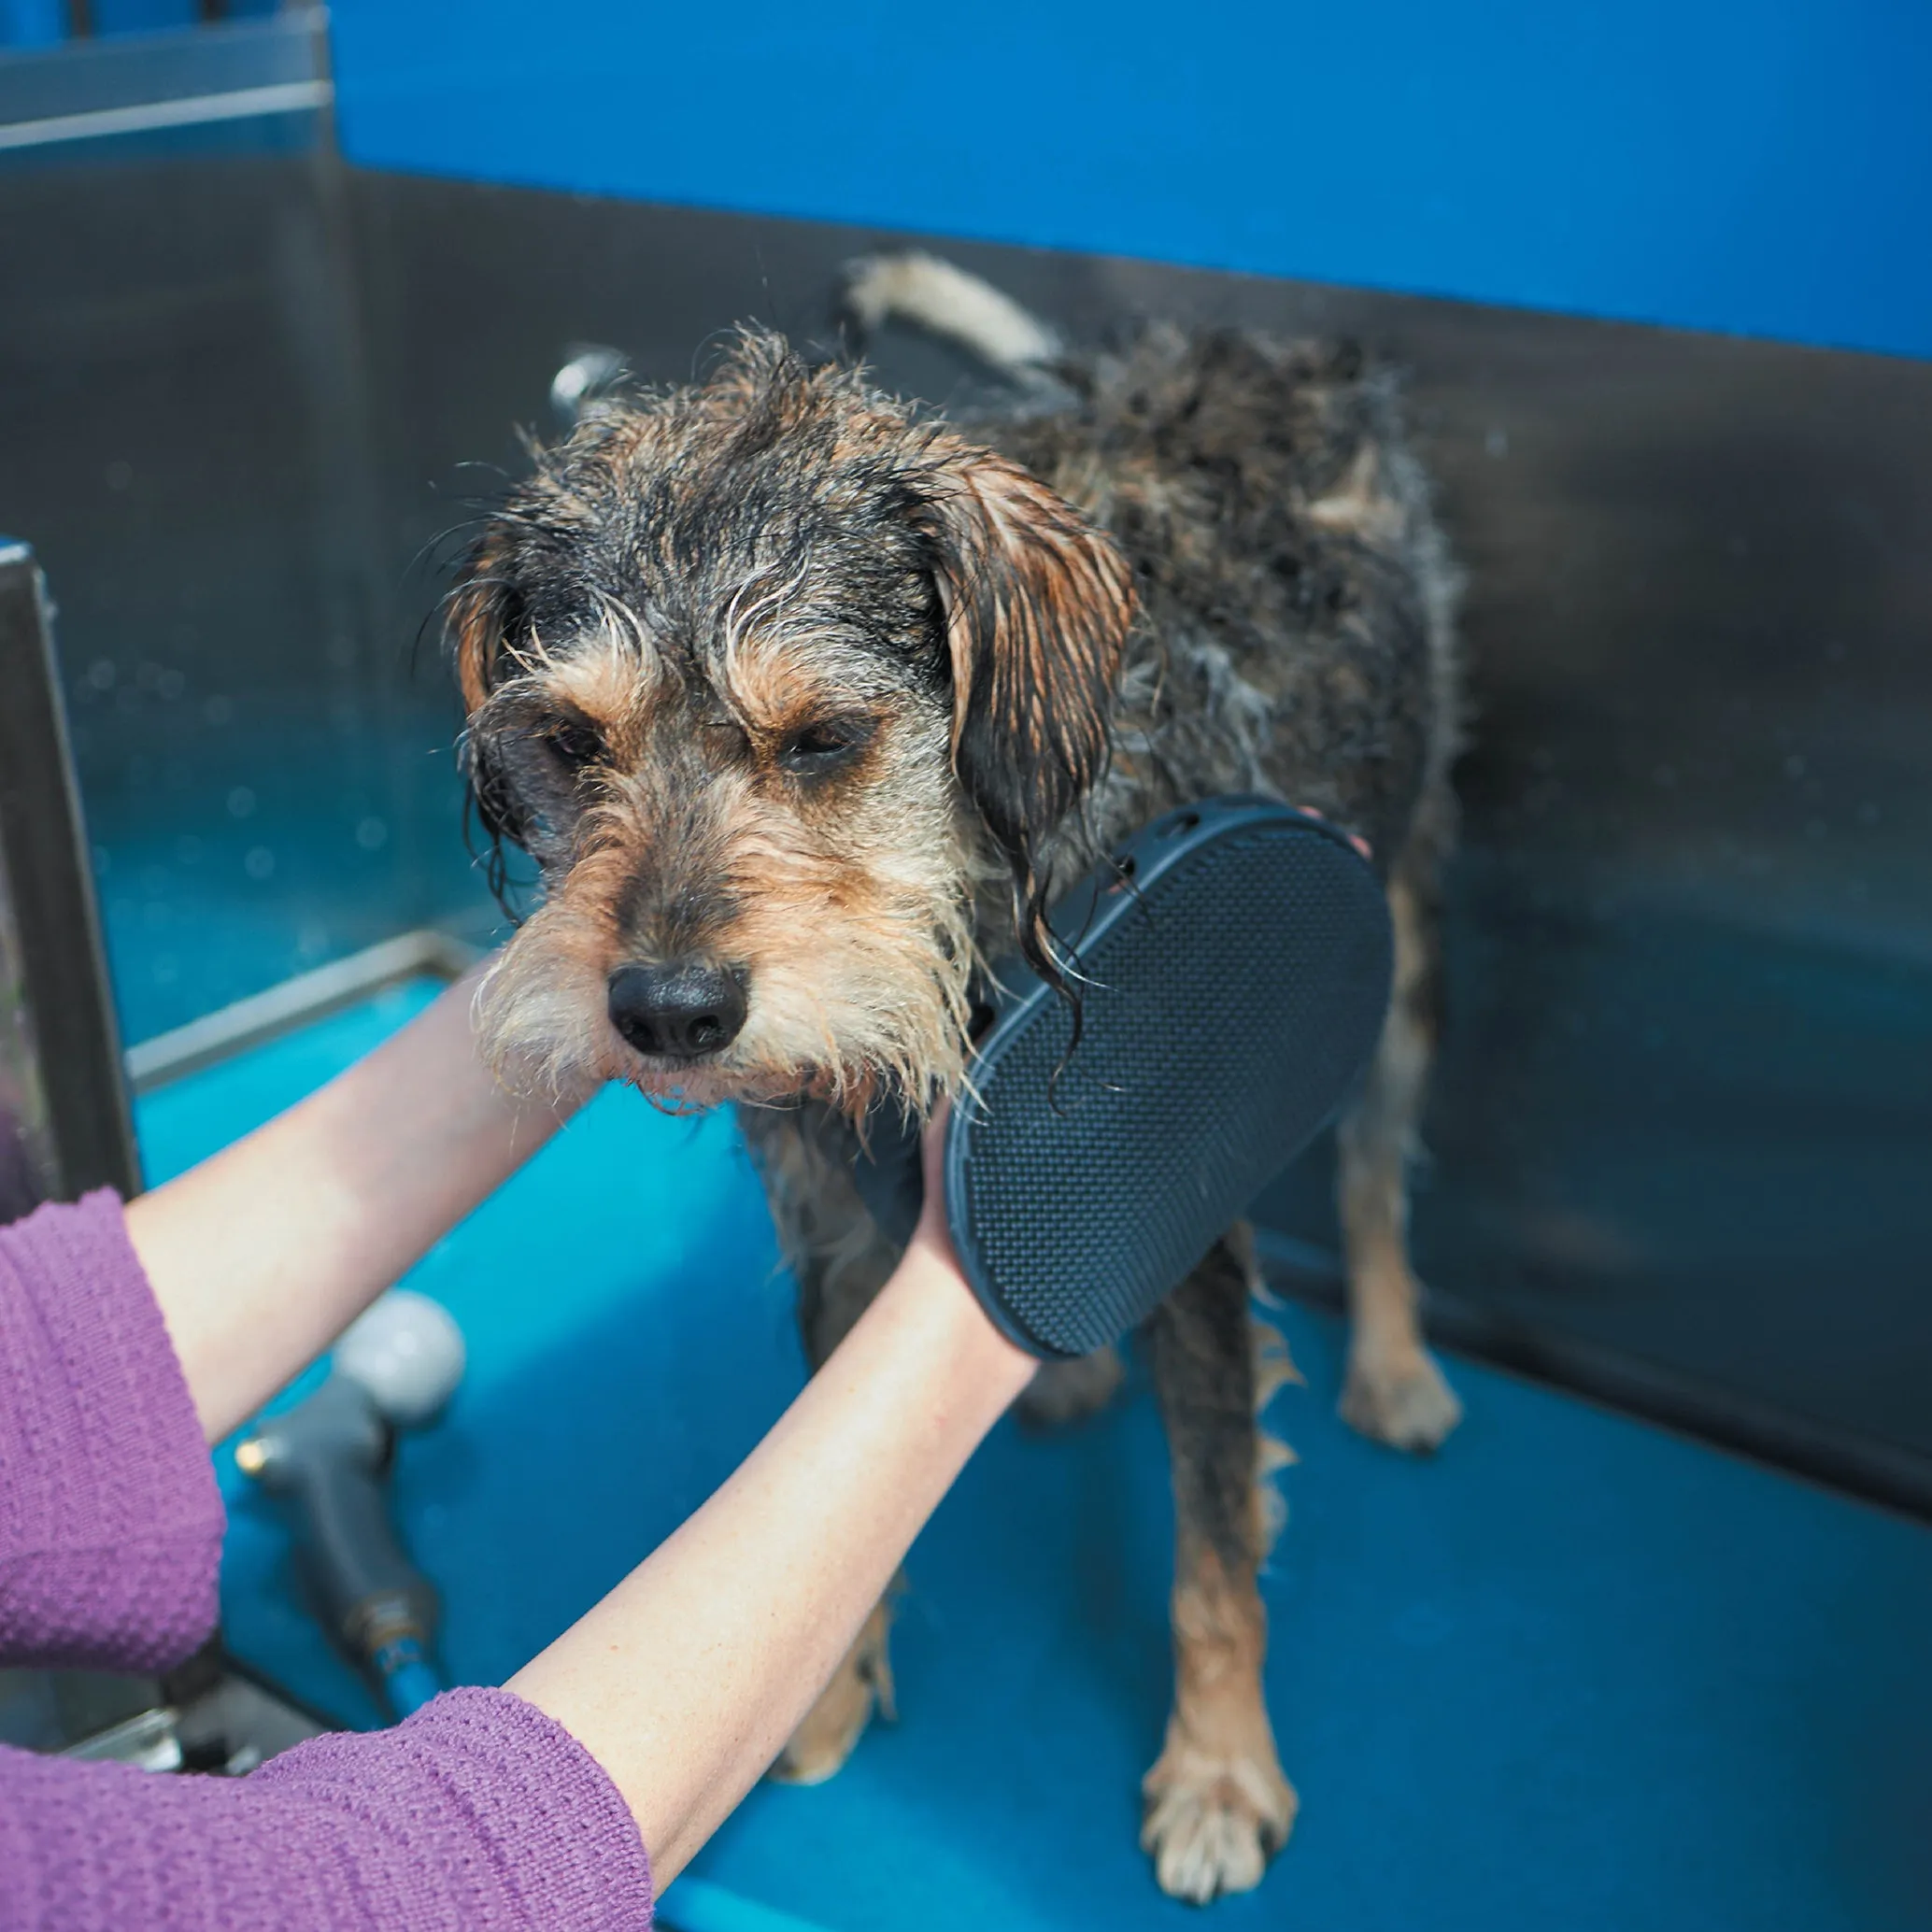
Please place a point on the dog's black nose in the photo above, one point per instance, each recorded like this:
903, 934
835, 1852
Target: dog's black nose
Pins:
679, 1011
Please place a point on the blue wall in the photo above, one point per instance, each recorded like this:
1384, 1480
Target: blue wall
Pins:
32, 22
43, 22
1766, 168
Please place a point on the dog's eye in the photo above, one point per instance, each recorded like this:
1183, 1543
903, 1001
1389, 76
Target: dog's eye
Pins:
821, 746
575, 744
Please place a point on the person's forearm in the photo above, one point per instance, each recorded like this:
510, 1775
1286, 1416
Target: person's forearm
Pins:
262, 1255
686, 1681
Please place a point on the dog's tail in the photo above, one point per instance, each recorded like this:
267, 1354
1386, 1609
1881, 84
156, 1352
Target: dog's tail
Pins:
934, 295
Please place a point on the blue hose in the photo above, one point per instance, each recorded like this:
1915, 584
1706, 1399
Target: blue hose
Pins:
408, 1679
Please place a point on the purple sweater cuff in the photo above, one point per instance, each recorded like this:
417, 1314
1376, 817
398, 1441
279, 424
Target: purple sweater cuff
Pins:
111, 1522
478, 1814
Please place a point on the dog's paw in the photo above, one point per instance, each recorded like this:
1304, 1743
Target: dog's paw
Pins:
1213, 1822
832, 1726
1399, 1399
1064, 1392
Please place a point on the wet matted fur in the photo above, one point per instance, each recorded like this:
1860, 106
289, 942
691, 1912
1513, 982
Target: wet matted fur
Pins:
790, 687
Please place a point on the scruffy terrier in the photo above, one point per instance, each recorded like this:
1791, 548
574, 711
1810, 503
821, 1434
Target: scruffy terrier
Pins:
805, 703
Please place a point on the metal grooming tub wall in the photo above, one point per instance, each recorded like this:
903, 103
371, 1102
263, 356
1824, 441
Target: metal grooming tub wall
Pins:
64, 1110
63, 1113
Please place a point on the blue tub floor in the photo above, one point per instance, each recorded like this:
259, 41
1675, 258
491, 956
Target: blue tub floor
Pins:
1575, 1674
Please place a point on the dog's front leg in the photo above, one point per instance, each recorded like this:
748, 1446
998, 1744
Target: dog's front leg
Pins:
1217, 1804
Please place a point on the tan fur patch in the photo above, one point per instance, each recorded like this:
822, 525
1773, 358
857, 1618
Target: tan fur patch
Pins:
1274, 1369
612, 681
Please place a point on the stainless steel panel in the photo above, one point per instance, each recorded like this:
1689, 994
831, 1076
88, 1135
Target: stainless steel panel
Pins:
62, 1096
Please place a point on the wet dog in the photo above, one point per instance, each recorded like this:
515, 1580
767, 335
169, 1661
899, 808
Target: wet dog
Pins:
804, 701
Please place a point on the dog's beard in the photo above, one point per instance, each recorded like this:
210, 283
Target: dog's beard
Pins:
844, 1008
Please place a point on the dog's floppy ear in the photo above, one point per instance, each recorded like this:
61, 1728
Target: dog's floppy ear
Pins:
478, 618
1037, 604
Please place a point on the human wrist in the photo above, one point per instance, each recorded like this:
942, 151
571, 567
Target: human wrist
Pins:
928, 1281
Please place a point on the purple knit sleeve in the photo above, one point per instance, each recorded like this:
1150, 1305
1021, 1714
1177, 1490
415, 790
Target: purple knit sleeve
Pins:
478, 1813
110, 1523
